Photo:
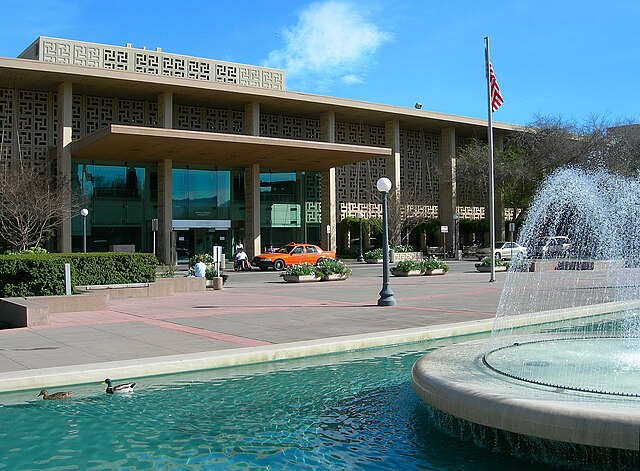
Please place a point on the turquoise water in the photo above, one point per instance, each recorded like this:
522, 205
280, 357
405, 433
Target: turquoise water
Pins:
347, 411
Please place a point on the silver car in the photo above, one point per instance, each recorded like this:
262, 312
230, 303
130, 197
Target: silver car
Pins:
555, 246
504, 250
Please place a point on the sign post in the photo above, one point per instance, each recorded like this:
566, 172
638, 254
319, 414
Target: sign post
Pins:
444, 230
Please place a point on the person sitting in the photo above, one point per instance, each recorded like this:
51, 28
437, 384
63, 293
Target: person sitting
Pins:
242, 260
199, 269
271, 249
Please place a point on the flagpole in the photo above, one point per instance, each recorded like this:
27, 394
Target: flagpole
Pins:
492, 203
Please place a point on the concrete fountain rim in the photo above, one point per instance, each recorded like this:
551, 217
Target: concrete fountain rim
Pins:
455, 380
588, 347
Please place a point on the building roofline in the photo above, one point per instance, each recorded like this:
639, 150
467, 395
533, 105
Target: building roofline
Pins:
37, 75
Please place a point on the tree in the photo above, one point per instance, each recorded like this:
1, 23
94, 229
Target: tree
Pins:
544, 146
32, 203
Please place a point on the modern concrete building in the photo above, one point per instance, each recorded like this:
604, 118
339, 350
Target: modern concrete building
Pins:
218, 151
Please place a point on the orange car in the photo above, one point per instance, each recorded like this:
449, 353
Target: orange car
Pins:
292, 254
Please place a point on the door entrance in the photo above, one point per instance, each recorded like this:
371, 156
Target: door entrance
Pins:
190, 242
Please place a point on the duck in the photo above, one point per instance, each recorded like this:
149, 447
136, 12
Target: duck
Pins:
124, 388
55, 396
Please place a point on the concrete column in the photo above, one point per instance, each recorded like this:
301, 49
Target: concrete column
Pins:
65, 130
392, 163
252, 119
392, 172
165, 110
165, 212
448, 195
328, 126
253, 240
328, 209
328, 197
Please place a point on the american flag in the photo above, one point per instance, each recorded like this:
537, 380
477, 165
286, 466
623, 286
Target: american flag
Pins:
496, 97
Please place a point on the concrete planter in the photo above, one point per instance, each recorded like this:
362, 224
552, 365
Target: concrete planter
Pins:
334, 277
482, 269
300, 278
402, 256
406, 273
434, 271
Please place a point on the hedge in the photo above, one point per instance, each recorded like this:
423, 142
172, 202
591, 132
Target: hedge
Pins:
43, 274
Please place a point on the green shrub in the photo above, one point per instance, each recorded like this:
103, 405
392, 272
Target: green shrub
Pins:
402, 248
32, 250
374, 254
32, 275
486, 262
433, 263
407, 266
43, 274
167, 271
113, 268
300, 269
333, 267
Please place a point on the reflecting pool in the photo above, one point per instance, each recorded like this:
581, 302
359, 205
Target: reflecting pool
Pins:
346, 411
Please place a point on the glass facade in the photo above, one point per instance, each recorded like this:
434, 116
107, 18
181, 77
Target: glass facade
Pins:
201, 194
208, 207
289, 207
122, 201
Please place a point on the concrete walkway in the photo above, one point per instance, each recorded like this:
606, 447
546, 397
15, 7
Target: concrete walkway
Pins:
256, 317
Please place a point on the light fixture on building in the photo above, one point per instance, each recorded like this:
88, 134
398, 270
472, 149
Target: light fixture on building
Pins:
418, 106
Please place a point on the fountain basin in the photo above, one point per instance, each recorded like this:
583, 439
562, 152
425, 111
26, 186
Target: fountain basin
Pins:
602, 365
455, 380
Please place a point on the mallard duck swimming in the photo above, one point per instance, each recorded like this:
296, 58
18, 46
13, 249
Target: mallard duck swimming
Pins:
123, 388
56, 395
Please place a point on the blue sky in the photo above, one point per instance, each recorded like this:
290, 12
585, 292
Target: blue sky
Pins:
564, 58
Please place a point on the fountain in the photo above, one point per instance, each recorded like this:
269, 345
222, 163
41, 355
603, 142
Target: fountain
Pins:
563, 360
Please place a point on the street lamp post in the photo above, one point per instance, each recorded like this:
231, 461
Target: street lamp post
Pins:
386, 294
83, 213
360, 217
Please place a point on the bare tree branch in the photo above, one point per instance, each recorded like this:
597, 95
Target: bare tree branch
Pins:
32, 203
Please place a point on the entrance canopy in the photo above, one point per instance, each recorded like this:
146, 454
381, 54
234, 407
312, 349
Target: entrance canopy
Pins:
144, 144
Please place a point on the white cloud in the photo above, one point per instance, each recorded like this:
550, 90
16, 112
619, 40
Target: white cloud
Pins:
332, 42
351, 79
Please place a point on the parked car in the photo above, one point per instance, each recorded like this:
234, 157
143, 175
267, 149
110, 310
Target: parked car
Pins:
504, 250
554, 246
292, 254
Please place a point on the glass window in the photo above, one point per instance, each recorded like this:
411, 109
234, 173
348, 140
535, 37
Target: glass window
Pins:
201, 193
298, 250
311, 249
290, 207
122, 201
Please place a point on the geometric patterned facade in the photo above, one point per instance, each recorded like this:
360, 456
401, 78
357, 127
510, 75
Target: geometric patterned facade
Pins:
29, 119
156, 62
35, 113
